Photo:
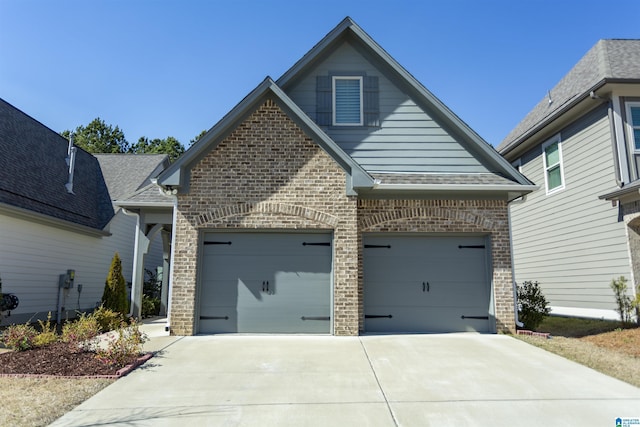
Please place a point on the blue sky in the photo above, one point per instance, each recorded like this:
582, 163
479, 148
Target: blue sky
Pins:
161, 68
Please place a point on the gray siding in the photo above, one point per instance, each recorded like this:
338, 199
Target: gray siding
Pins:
408, 139
33, 255
570, 241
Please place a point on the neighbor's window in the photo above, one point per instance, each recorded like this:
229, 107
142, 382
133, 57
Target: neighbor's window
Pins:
633, 113
552, 158
347, 101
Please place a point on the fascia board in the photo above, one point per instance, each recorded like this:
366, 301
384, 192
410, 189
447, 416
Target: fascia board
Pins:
174, 174
428, 98
360, 178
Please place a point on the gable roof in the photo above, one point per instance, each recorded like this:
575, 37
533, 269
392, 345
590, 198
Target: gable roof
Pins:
34, 171
347, 29
609, 61
127, 173
176, 174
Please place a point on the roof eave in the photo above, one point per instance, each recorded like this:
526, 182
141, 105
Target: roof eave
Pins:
29, 215
516, 143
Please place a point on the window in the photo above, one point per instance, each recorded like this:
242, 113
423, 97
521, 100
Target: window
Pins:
356, 97
633, 123
633, 114
552, 159
347, 101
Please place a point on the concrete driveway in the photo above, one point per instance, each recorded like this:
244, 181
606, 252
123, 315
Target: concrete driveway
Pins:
386, 380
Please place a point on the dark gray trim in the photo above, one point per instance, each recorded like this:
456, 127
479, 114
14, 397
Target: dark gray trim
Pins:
176, 174
422, 96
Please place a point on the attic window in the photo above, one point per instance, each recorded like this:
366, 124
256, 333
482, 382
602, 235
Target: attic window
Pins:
355, 102
347, 101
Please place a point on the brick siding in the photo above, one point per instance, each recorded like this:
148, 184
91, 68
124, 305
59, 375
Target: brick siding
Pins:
267, 174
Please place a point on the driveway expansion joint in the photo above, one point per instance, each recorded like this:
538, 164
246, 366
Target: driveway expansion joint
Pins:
375, 375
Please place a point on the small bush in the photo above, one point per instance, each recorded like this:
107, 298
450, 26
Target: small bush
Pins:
124, 347
115, 289
81, 333
48, 334
150, 306
532, 305
19, 337
623, 301
107, 319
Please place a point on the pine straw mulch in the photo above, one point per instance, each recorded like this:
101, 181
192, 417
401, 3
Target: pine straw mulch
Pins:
58, 359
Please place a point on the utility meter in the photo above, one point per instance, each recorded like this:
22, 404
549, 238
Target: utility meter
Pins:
66, 280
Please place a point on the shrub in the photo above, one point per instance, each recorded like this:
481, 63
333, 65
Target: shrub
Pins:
48, 334
107, 319
532, 305
115, 290
150, 306
19, 337
623, 301
124, 347
81, 333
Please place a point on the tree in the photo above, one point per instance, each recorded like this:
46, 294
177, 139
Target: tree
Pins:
169, 145
99, 137
200, 135
115, 291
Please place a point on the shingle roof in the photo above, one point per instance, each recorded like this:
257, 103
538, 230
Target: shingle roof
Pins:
127, 173
33, 173
445, 178
149, 195
609, 60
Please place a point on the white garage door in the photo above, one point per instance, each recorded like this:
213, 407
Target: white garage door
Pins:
426, 284
265, 283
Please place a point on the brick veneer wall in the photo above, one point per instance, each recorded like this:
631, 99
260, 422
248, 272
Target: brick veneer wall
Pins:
267, 174
448, 216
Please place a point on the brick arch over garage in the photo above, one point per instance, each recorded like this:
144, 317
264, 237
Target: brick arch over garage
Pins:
229, 212
429, 218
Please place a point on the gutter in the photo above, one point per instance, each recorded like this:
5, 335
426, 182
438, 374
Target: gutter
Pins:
519, 324
457, 187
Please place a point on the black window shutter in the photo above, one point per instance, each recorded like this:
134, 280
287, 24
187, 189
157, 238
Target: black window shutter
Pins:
323, 100
371, 102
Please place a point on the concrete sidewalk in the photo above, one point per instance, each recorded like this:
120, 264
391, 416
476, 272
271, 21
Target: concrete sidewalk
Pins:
393, 380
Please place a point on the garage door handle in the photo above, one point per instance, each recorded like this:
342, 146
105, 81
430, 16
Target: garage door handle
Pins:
425, 286
475, 317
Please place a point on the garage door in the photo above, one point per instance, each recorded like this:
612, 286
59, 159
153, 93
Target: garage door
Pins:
426, 284
265, 282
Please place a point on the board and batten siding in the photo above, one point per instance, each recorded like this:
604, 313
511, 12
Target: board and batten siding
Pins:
570, 241
407, 140
33, 255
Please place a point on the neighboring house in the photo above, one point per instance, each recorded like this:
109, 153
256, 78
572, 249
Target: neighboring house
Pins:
341, 198
125, 175
581, 144
52, 221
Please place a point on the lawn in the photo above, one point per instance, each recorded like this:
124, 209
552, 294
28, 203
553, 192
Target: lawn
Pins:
599, 344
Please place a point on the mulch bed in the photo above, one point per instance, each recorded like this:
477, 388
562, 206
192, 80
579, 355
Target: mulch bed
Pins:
60, 360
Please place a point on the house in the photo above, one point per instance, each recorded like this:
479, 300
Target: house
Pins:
341, 198
56, 215
581, 143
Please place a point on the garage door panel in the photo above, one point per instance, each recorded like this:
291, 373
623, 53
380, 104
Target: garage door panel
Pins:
429, 282
272, 282
413, 319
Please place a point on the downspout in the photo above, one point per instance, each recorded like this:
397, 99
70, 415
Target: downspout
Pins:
136, 267
519, 324
614, 145
171, 264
